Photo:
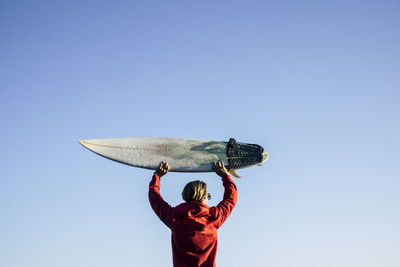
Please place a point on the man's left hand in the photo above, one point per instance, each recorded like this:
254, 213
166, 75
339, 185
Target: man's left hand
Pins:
163, 168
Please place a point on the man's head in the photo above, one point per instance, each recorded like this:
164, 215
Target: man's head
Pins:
196, 191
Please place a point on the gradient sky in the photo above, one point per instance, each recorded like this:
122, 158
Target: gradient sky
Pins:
316, 83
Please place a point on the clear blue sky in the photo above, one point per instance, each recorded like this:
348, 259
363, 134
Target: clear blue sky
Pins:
316, 83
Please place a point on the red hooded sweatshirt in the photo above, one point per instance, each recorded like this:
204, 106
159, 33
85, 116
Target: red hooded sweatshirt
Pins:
193, 224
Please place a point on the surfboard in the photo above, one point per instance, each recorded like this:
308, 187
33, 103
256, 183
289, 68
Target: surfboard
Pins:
183, 155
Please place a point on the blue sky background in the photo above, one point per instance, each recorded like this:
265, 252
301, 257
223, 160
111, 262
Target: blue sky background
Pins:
316, 83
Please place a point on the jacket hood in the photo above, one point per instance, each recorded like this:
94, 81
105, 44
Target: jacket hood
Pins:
191, 209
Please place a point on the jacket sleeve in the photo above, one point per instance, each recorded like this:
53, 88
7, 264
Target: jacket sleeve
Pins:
225, 207
160, 207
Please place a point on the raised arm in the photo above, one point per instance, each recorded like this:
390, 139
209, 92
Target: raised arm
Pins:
160, 207
225, 207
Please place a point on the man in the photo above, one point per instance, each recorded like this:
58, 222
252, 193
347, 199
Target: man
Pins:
193, 223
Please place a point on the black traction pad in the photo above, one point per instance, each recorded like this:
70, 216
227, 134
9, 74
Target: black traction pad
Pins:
242, 155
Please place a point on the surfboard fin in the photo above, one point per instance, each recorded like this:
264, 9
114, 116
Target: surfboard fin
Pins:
233, 172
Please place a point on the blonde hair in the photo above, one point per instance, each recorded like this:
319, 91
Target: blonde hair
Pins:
194, 191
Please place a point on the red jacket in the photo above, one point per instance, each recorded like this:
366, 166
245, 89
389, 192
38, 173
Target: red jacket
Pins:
193, 224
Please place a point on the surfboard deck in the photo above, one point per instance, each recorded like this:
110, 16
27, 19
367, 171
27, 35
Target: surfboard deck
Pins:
183, 155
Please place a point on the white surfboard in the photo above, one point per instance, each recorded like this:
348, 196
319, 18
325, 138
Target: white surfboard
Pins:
183, 155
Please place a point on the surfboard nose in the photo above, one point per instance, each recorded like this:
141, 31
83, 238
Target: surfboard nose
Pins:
83, 143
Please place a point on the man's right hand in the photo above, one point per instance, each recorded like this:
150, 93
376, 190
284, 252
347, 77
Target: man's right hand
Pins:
219, 168
163, 168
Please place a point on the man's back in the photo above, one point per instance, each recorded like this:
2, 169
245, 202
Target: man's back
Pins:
193, 225
194, 235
